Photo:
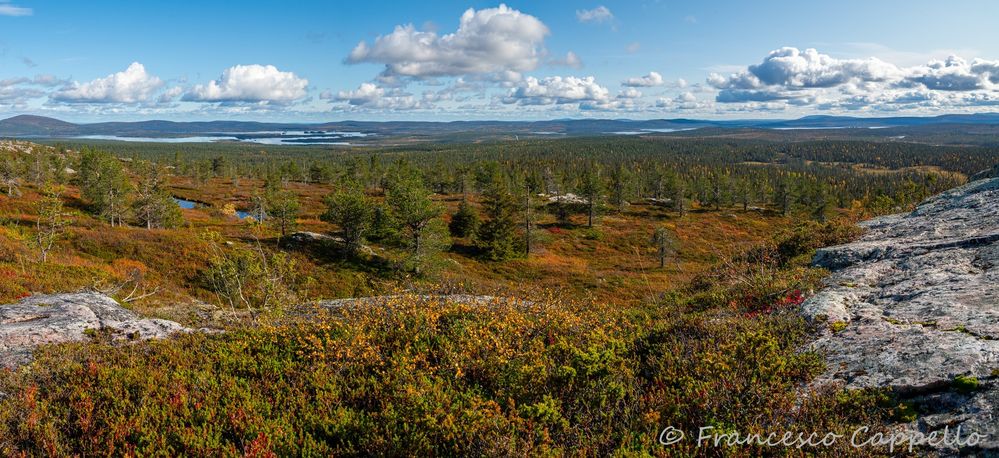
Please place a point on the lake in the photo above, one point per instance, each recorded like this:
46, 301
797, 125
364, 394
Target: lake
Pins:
190, 205
299, 137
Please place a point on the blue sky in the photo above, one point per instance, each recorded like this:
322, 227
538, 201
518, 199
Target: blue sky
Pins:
446, 60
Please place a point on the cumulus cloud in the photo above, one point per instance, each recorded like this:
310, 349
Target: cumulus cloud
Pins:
808, 78
493, 40
7, 9
683, 101
132, 86
956, 74
792, 68
629, 93
251, 84
171, 94
651, 80
598, 14
557, 90
370, 95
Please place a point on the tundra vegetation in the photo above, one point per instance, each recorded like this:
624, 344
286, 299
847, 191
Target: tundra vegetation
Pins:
655, 281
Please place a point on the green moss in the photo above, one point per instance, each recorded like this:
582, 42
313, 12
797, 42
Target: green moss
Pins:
838, 326
965, 383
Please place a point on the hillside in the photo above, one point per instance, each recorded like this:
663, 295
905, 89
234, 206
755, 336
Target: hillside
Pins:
514, 299
37, 126
834, 126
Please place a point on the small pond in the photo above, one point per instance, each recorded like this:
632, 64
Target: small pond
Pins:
190, 204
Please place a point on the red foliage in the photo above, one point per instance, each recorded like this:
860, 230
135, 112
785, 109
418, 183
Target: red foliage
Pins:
259, 448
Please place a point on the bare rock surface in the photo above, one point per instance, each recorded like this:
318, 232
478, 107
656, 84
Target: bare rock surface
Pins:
309, 238
57, 318
918, 295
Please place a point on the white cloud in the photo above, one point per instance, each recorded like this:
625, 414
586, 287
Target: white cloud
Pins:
956, 74
597, 15
171, 94
370, 95
629, 93
633, 47
791, 77
790, 67
260, 84
571, 60
557, 90
651, 80
682, 101
6, 9
494, 40
132, 86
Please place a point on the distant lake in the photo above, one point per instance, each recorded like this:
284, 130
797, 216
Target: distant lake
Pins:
830, 127
263, 138
190, 205
649, 131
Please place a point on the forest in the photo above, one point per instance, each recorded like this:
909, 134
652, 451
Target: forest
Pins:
630, 284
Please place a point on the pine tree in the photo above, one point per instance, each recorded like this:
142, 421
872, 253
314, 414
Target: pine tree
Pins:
351, 210
418, 218
680, 199
666, 245
620, 189
783, 196
105, 185
591, 189
153, 206
11, 170
283, 208
819, 202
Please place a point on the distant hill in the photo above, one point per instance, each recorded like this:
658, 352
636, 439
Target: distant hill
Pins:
39, 126
28, 125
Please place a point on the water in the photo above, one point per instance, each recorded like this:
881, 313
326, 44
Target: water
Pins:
190, 205
296, 137
648, 131
830, 127
156, 139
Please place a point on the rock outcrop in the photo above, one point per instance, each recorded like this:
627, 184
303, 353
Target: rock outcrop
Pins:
306, 238
914, 306
57, 318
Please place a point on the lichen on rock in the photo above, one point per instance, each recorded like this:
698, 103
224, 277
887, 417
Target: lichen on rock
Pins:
68, 317
918, 293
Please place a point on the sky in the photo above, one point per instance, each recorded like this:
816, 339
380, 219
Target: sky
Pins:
87, 61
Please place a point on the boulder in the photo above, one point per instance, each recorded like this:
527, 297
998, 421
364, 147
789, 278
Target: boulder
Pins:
917, 305
57, 318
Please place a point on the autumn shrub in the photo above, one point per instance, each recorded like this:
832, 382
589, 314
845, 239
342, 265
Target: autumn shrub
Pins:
426, 375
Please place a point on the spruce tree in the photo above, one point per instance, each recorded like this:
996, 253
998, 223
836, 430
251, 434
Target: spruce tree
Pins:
498, 234
465, 222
